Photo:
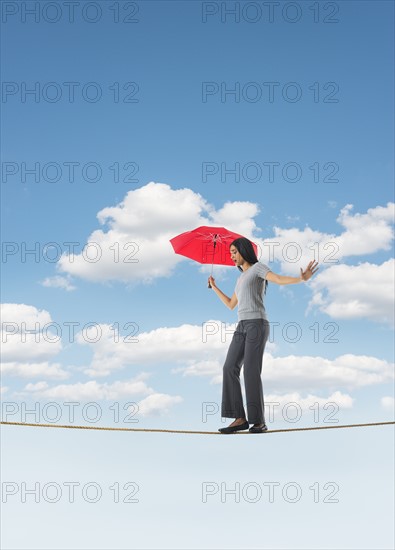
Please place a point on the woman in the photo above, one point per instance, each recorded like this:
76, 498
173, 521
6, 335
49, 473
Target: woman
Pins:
249, 339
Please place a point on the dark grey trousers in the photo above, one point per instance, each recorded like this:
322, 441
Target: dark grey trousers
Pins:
247, 346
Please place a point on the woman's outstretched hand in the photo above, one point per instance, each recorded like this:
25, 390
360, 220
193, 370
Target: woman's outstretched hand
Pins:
309, 271
211, 282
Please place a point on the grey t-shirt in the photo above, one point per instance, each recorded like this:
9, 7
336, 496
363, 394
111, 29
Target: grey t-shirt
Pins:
249, 292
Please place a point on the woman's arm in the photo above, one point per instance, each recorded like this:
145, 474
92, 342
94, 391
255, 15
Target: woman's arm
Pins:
282, 279
285, 280
229, 302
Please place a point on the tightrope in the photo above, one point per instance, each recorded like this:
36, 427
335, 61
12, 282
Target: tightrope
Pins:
108, 428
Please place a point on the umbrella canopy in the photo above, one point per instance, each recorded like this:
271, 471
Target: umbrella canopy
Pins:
206, 245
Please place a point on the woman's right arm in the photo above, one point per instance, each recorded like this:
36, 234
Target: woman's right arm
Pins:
229, 302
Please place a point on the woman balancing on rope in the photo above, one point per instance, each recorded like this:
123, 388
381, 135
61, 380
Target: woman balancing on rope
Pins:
249, 339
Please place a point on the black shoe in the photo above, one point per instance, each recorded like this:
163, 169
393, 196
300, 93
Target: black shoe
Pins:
233, 429
258, 429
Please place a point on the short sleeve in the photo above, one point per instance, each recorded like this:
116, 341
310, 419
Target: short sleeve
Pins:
262, 270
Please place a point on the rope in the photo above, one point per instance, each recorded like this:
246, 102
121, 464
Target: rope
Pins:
189, 431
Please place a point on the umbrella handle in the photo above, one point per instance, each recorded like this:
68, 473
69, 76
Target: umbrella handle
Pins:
211, 274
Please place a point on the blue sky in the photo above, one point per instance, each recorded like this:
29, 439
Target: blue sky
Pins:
166, 147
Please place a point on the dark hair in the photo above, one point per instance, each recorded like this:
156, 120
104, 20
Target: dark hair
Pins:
246, 250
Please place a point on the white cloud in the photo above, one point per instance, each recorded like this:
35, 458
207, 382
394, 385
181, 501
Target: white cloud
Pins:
153, 206
58, 282
314, 372
352, 292
3, 389
153, 404
24, 316
33, 370
292, 219
363, 234
158, 404
175, 345
37, 387
310, 373
342, 400
29, 342
27, 334
201, 351
237, 216
136, 247
210, 368
366, 233
25, 347
388, 403
92, 390
140, 227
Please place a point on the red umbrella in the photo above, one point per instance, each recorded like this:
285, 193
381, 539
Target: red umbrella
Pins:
207, 245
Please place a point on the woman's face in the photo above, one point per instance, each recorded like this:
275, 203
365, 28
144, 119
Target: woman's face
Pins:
235, 255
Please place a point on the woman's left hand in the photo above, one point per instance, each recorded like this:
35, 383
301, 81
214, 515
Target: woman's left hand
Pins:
309, 271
